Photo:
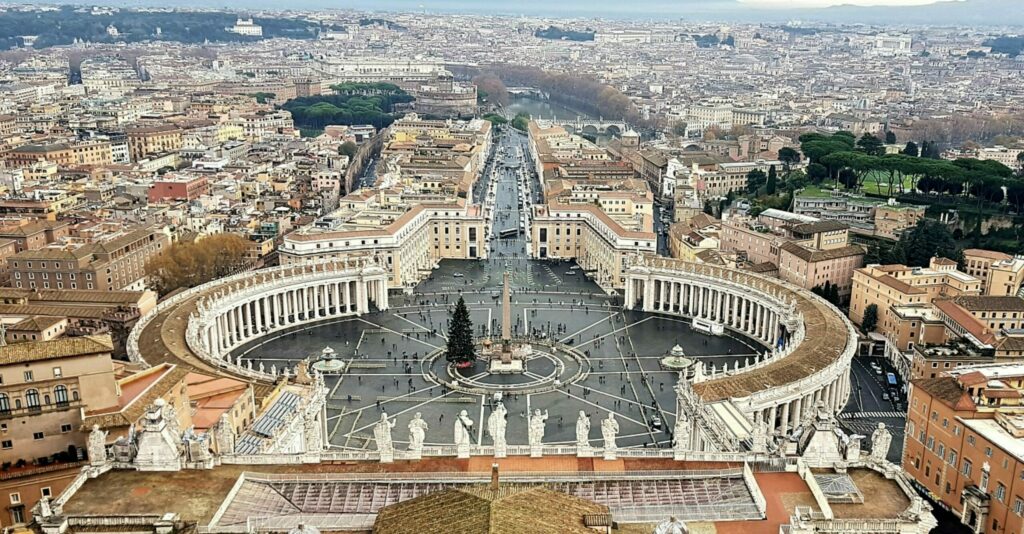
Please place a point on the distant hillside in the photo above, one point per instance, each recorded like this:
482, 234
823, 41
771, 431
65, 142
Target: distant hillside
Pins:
554, 32
63, 26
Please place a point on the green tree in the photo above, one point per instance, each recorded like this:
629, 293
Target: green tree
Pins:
788, 156
926, 240
817, 172
755, 180
460, 349
773, 181
871, 145
870, 320
890, 137
911, 149
521, 121
348, 148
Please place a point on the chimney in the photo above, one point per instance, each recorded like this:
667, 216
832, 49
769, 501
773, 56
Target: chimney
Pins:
494, 477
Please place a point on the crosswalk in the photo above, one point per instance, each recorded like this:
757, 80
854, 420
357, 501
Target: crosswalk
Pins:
873, 415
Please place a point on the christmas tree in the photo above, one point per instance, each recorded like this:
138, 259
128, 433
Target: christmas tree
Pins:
460, 336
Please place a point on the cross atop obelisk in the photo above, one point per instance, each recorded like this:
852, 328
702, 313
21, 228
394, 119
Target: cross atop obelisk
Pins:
506, 314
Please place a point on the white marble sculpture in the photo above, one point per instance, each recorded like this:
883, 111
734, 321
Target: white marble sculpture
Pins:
417, 433
880, 440
681, 437
496, 428
97, 447
463, 434
382, 433
609, 429
583, 449
536, 431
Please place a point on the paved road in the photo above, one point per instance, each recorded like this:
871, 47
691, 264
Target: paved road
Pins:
869, 406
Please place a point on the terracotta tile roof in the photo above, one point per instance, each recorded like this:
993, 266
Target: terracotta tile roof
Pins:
481, 510
811, 255
900, 286
988, 254
946, 390
34, 351
991, 303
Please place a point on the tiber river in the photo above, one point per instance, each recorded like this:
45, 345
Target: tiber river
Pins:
546, 109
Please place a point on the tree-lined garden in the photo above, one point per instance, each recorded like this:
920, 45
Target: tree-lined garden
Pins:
353, 103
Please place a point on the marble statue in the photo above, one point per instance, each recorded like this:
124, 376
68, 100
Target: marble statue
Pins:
382, 434
583, 432
536, 432
97, 446
880, 440
496, 428
672, 526
609, 429
681, 436
417, 432
463, 434
45, 510
225, 435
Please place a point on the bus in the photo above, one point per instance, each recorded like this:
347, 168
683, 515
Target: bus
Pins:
511, 232
891, 378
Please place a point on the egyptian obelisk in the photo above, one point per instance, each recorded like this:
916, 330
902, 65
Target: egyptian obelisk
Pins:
506, 321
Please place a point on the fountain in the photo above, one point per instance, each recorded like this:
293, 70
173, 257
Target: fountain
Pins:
329, 362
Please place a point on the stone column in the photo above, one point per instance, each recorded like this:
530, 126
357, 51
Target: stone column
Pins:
361, 296
772, 413
797, 412
348, 296
784, 421
335, 294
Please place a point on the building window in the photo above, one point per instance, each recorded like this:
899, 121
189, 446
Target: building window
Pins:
6, 444
32, 399
45, 492
38, 436
57, 373
1018, 506
28, 376
15, 498
60, 393
65, 428
970, 439
1000, 492
967, 468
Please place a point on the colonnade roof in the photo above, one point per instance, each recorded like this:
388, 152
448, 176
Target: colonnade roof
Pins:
827, 336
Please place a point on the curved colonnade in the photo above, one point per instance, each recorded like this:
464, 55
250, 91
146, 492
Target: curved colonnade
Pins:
808, 343
202, 326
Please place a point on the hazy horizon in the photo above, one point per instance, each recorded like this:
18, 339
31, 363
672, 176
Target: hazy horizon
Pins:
901, 12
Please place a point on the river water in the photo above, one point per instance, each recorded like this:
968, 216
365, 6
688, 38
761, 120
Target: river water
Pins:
546, 109
543, 109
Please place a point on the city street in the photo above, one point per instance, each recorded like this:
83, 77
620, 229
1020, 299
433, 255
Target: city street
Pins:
871, 403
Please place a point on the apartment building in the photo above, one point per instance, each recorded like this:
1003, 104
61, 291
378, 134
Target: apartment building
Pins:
63, 154
1001, 273
178, 187
887, 286
46, 388
964, 444
866, 216
114, 263
30, 234
814, 267
147, 141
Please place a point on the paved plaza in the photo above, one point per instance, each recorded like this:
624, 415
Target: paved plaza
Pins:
388, 350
